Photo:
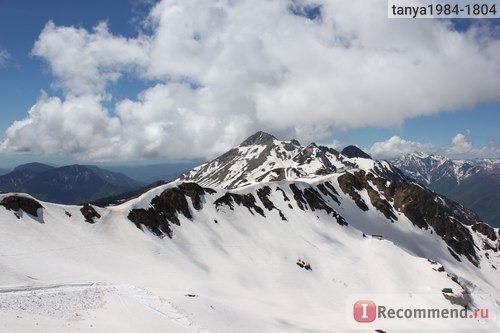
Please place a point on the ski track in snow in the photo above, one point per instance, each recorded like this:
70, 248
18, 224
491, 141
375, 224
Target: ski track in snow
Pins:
64, 300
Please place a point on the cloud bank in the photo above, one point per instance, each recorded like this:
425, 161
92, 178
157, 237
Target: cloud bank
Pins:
396, 146
219, 70
460, 147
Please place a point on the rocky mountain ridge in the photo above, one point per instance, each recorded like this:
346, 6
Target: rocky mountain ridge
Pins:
428, 168
473, 183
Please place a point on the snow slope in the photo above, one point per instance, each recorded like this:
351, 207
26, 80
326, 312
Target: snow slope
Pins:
223, 270
281, 238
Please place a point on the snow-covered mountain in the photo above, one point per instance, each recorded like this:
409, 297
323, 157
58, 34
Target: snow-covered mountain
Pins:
429, 169
263, 158
240, 246
473, 183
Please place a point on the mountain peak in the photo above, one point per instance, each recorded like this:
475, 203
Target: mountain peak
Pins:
34, 166
353, 151
258, 138
263, 158
422, 155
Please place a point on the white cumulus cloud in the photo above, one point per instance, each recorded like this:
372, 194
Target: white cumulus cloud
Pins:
219, 70
460, 144
396, 146
460, 147
83, 62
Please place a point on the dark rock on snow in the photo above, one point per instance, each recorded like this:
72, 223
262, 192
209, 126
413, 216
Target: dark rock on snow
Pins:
89, 213
353, 151
16, 203
165, 207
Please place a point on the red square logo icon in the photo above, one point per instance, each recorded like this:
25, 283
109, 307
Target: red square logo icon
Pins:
364, 311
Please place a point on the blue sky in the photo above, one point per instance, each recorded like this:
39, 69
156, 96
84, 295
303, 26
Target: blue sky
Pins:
147, 112
24, 75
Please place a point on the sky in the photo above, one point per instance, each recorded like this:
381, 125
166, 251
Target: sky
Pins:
142, 80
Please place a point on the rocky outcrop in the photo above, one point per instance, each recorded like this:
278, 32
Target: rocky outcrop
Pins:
486, 230
195, 192
274, 174
258, 138
311, 198
312, 153
89, 213
248, 200
378, 199
305, 265
421, 206
472, 183
350, 185
165, 208
328, 190
17, 202
263, 194
353, 151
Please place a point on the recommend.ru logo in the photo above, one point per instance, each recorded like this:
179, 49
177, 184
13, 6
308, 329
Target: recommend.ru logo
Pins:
419, 311
365, 311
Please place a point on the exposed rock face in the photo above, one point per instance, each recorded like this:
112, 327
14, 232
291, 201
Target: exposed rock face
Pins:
312, 153
165, 207
195, 192
312, 199
277, 174
351, 185
247, 200
327, 189
485, 230
472, 183
258, 138
421, 206
89, 213
378, 196
353, 151
16, 203
263, 195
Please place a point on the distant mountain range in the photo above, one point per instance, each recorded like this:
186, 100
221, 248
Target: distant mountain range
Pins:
87, 183
473, 183
68, 184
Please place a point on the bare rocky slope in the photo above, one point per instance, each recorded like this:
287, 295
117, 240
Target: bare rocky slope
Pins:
473, 183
